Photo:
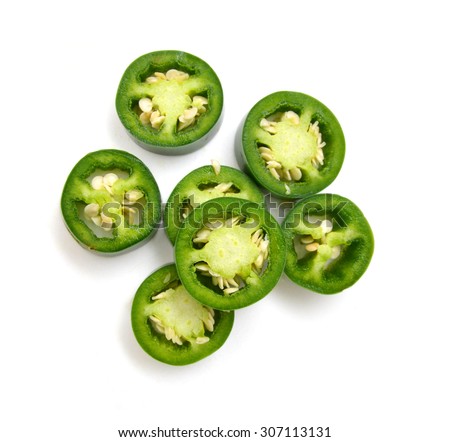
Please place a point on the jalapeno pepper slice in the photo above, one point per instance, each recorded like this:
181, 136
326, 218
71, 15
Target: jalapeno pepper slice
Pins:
329, 243
170, 102
230, 253
110, 201
173, 327
292, 145
203, 184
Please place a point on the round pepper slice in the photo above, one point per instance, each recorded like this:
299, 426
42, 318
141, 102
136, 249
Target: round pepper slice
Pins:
173, 327
111, 201
230, 253
292, 145
329, 243
203, 184
170, 102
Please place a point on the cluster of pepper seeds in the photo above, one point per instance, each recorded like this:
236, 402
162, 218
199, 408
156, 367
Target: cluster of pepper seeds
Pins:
151, 115
233, 284
163, 322
274, 160
93, 212
308, 244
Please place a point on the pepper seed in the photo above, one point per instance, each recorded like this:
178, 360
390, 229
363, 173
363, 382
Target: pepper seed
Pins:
312, 247
216, 166
91, 210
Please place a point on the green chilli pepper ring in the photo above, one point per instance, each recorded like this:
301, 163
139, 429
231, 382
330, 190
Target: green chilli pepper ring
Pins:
230, 253
111, 201
329, 243
170, 102
173, 327
291, 144
201, 185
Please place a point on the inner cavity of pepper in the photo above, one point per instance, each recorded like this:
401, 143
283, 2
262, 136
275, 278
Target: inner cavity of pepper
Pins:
230, 250
291, 145
111, 203
172, 101
179, 318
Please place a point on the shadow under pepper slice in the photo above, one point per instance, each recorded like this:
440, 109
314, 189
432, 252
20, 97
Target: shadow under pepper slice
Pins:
173, 327
230, 253
329, 243
201, 185
291, 144
111, 201
170, 102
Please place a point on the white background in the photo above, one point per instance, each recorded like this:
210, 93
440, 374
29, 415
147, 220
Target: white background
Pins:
370, 363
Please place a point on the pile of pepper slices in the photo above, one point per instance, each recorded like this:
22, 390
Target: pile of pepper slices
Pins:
230, 251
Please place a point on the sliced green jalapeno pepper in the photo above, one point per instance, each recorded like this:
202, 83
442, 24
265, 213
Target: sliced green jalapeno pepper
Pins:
170, 102
203, 184
329, 243
173, 327
111, 201
291, 144
229, 253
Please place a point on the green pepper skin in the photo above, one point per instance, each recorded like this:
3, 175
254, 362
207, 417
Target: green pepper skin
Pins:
155, 344
203, 80
350, 228
190, 184
258, 287
250, 160
77, 190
